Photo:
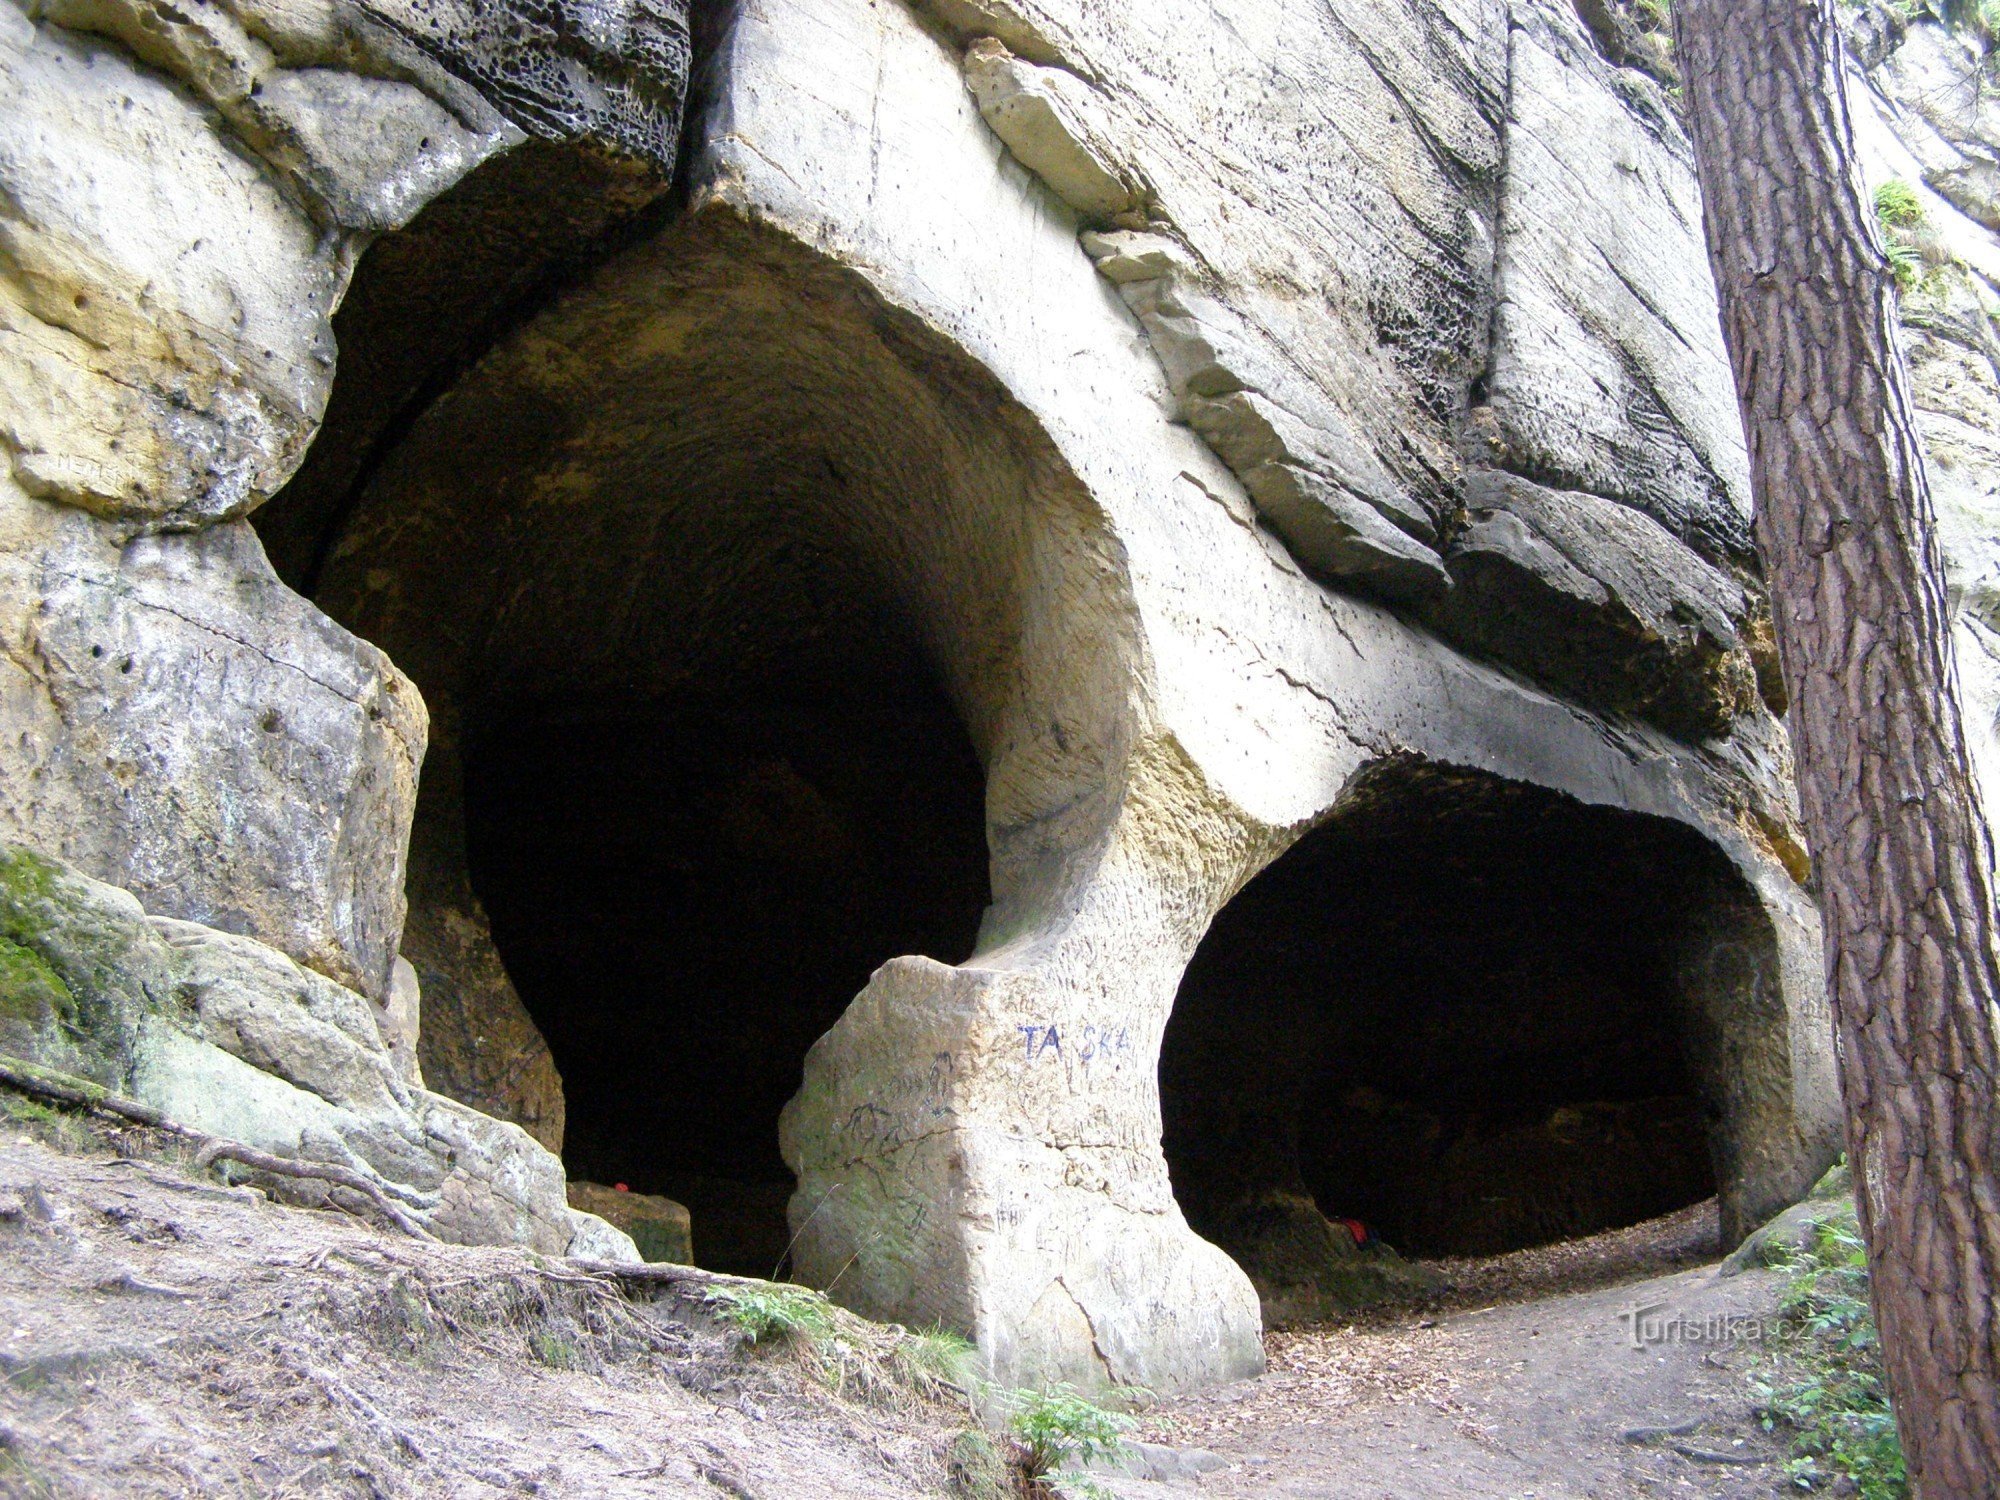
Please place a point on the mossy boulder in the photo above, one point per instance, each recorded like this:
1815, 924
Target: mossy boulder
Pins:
79, 968
1306, 1268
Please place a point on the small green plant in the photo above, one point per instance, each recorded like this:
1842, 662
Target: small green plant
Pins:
553, 1350
1058, 1428
1905, 264
1826, 1385
1898, 206
1900, 214
767, 1311
1655, 15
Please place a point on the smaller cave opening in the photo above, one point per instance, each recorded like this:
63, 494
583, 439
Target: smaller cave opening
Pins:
687, 892
1452, 1013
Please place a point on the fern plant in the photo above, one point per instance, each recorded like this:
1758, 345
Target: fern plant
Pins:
1828, 1389
1059, 1429
767, 1311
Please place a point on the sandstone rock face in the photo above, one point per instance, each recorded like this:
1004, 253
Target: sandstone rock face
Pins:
168, 356
1375, 162
231, 1037
1649, 627
183, 724
1026, 1250
1232, 419
480, 1046
1607, 371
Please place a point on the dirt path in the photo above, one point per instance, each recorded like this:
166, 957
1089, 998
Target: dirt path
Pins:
1541, 1399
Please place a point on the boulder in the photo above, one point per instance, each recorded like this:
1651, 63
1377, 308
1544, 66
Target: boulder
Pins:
1306, 1268
1791, 1233
658, 1226
228, 1036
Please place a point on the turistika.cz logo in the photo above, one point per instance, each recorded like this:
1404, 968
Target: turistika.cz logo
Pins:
1650, 1323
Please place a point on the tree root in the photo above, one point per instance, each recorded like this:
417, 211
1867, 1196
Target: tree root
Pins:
81, 1093
658, 1273
1710, 1456
1682, 1428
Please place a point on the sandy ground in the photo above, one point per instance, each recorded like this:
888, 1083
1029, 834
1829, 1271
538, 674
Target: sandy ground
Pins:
167, 1336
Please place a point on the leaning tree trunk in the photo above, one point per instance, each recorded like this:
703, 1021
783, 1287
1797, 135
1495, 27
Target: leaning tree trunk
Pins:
1903, 856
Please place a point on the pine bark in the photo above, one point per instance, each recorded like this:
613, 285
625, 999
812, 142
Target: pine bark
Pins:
1903, 857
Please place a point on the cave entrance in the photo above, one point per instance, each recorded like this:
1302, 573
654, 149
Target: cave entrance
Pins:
1465, 1012
709, 571
687, 893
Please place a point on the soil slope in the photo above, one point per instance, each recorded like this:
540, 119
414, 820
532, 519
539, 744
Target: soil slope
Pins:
165, 1335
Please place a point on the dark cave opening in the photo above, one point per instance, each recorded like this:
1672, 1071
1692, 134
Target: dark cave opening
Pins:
709, 616
1455, 1013
687, 893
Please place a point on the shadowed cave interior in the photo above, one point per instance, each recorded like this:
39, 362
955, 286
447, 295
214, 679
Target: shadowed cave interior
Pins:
1453, 1013
688, 894
699, 758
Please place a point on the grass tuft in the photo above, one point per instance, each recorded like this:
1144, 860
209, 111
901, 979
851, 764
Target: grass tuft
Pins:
935, 1359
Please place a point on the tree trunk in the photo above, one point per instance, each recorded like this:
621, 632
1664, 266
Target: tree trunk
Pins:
1903, 856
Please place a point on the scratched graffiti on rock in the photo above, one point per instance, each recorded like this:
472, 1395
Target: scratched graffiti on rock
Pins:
905, 1108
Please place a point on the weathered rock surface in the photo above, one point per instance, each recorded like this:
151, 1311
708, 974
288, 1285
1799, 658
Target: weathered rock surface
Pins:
231, 1037
1363, 172
1060, 359
1024, 1250
182, 724
1050, 119
1607, 370
480, 1045
1599, 600
659, 1227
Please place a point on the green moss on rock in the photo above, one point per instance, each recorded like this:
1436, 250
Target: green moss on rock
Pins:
79, 966
31, 991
